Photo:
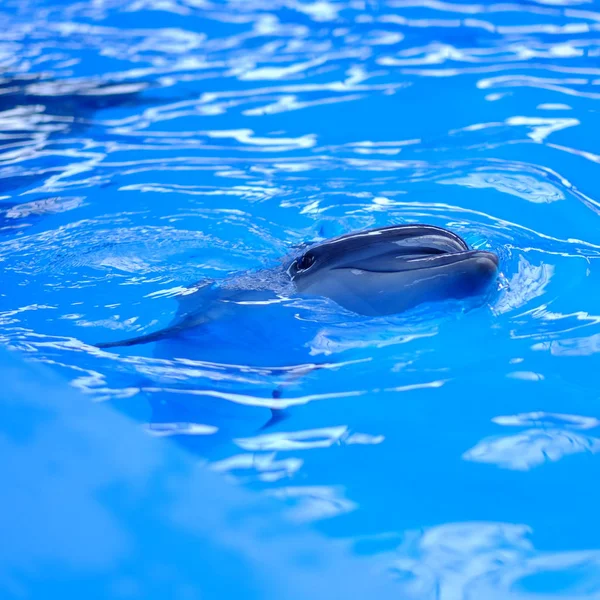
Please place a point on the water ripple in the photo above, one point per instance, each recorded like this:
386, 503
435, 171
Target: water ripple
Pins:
491, 560
149, 146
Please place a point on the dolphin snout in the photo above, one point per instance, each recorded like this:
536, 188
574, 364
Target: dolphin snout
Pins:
482, 269
486, 262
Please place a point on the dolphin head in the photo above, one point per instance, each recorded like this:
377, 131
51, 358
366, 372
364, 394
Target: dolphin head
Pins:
391, 269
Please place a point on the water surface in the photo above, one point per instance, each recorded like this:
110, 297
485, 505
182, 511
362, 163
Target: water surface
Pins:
146, 145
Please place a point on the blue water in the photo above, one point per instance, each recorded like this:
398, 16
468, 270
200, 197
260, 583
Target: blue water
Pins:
147, 145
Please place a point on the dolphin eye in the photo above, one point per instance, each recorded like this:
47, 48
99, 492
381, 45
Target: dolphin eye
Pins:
306, 261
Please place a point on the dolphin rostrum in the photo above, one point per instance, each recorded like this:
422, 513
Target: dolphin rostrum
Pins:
375, 272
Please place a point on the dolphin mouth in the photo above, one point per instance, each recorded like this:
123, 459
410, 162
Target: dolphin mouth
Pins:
484, 260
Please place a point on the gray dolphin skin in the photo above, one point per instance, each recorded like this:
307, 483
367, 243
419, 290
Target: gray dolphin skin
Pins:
389, 270
375, 272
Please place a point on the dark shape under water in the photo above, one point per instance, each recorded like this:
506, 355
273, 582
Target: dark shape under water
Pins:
375, 272
68, 107
78, 98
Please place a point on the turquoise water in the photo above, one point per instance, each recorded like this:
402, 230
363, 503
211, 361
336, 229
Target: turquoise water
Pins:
147, 145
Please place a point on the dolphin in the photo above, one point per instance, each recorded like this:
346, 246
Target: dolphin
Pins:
392, 269
375, 272
239, 323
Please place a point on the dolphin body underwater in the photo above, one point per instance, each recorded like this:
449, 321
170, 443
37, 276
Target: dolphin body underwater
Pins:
243, 320
375, 272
